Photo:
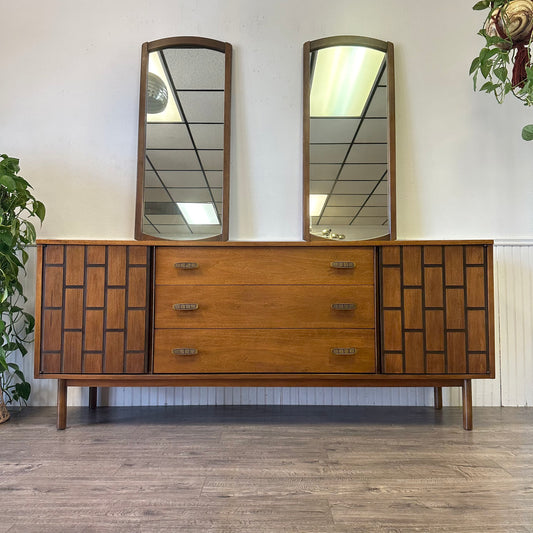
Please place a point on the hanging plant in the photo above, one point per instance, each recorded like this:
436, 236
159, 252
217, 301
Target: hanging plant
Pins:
504, 62
17, 206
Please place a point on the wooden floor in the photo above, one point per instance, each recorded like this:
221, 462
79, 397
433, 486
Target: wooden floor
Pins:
267, 469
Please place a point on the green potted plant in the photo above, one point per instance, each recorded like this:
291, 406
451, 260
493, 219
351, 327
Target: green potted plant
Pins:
17, 207
504, 63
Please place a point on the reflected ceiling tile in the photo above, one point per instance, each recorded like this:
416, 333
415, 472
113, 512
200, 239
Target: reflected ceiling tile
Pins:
190, 195
212, 159
156, 194
383, 79
173, 159
370, 221
335, 220
323, 172
328, 153
344, 200
182, 178
374, 212
320, 187
340, 211
194, 68
208, 135
201, 106
368, 153
173, 231
160, 208
168, 136
165, 219
377, 200
151, 179
382, 188
362, 172
217, 194
333, 130
215, 178
209, 229
378, 106
354, 187
373, 131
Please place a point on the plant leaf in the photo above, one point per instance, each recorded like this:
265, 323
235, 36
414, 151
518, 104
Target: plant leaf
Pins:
527, 132
483, 4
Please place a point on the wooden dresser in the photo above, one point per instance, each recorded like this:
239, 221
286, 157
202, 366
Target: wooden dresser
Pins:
264, 314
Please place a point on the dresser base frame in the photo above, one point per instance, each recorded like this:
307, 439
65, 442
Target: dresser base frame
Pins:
282, 381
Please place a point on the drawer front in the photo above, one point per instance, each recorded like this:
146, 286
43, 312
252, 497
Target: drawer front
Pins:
264, 351
264, 265
265, 306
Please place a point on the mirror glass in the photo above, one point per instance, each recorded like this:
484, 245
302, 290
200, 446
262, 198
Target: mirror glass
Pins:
349, 139
183, 183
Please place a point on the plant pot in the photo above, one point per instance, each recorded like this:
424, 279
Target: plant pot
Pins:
4, 413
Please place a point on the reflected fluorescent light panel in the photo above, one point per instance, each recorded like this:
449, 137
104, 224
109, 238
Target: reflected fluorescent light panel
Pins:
343, 77
196, 213
316, 204
171, 112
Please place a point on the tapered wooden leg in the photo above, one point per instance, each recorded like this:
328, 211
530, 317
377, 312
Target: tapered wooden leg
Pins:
437, 391
93, 397
467, 404
61, 404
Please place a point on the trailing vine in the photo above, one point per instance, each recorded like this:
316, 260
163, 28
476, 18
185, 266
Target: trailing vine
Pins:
17, 206
504, 62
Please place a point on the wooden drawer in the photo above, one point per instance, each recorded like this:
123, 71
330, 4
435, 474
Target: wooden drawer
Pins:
265, 306
264, 265
266, 351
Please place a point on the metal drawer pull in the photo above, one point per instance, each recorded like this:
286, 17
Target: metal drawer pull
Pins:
343, 351
343, 307
184, 351
342, 264
185, 307
186, 266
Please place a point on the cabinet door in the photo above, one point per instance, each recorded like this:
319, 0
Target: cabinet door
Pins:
436, 309
93, 316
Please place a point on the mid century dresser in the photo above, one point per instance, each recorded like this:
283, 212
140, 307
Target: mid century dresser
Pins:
321, 313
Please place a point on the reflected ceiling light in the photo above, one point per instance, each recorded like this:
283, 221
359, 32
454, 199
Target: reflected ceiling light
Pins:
196, 213
343, 77
316, 204
171, 112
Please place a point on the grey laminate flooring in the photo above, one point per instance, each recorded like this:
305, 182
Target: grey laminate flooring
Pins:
267, 469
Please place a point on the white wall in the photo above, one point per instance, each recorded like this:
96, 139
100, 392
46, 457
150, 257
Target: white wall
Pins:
69, 99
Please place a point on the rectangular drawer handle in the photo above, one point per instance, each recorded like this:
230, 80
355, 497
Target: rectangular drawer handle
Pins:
185, 307
184, 351
186, 265
342, 264
343, 351
344, 307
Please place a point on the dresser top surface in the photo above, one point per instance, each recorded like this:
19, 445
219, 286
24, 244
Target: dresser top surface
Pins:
226, 244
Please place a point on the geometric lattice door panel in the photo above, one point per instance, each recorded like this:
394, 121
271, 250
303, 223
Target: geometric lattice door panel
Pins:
94, 315
436, 313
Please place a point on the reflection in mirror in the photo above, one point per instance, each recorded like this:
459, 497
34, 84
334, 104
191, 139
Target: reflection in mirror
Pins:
349, 139
183, 168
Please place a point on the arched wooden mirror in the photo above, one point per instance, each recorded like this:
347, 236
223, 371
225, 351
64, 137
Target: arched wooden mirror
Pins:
349, 151
184, 139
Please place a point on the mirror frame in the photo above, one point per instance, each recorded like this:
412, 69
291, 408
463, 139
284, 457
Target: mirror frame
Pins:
183, 42
349, 40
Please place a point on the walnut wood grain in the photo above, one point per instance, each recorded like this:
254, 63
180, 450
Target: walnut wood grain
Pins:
264, 306
265, 350
88, 303
264, 265
436, 309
